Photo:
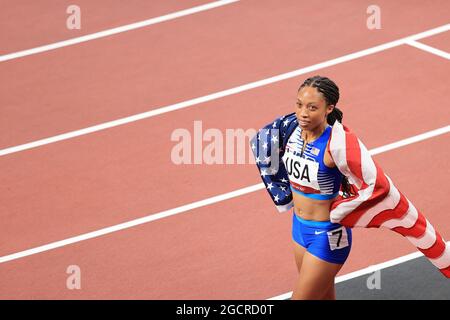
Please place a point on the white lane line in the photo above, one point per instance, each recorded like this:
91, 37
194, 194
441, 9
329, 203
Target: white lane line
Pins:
365, 271
194, 205
113, 31
132, 223
410, 140
221, 94
429, 49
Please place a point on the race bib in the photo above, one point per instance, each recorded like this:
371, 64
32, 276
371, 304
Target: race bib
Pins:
301, 171
338, 238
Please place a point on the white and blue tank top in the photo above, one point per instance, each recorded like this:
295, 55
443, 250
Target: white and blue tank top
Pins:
307, 172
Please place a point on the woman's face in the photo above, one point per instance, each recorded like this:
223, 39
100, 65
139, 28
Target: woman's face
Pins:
311, 108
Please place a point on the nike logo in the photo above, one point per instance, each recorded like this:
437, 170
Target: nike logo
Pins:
319, 232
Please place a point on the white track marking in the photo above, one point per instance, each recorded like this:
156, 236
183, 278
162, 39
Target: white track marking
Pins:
194, 205
365, 271
132, 223
429, 49
411, 140
221, 94
110, 32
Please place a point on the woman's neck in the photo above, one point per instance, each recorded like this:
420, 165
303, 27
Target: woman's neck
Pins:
310, 135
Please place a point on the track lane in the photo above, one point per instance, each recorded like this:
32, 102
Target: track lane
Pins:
124, 173
440, 41
80, 86
36, 23
238, 249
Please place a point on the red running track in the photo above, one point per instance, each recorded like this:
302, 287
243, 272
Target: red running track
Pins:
239, 248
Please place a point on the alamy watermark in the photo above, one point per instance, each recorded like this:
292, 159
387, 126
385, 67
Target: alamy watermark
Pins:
73, 282
74, 19
231, 146
374, 19
374, 281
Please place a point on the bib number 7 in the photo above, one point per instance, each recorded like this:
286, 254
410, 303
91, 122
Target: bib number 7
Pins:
338, 238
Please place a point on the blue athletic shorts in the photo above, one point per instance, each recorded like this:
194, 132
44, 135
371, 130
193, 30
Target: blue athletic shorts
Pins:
325, 240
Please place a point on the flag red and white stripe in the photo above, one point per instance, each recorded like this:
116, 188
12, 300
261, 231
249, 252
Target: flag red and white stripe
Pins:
378, 203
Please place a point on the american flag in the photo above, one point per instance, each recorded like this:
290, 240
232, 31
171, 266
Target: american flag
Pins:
375, 201
378, 203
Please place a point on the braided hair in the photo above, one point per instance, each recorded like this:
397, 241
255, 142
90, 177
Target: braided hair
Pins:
330, 92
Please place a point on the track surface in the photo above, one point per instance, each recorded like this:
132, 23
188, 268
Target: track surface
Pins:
234, 249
